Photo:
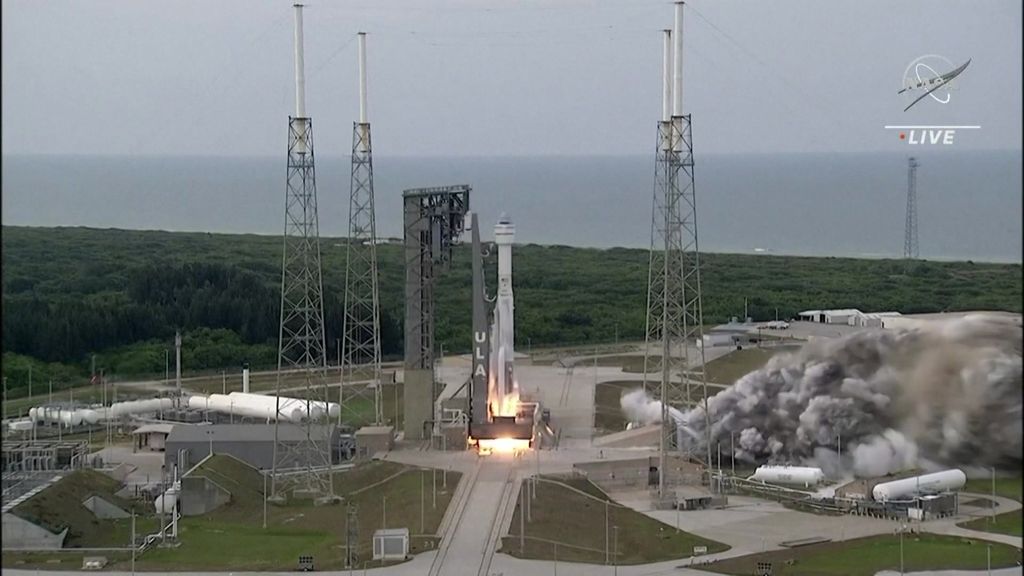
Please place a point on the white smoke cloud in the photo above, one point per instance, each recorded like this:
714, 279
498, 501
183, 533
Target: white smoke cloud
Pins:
945, 393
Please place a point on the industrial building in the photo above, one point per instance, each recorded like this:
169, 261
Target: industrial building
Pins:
151, 437
846, 316
250, 443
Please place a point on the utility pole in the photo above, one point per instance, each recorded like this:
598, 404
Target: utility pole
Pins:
223, 382
839, 448
177, 360
606, 528
901, 549
264, 500
993, 506
384, 513
133, 542
522, 520
615, 532
732, 450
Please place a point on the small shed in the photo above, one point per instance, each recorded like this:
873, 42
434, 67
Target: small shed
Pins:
152, 437
391, 544
373, 439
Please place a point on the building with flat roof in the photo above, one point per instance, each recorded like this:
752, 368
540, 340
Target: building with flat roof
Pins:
250, 443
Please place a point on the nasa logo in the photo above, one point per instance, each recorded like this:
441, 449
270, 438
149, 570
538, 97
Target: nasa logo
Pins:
922, 80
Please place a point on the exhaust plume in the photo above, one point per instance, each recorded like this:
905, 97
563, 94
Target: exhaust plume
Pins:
945, 393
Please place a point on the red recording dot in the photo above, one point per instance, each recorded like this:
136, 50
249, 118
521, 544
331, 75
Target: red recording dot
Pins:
902, 136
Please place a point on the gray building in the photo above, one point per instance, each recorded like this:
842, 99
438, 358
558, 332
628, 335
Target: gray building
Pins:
250, 443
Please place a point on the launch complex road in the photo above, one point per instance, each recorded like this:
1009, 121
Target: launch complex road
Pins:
480, 515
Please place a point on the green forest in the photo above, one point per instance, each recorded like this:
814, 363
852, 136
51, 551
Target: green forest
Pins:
72, 293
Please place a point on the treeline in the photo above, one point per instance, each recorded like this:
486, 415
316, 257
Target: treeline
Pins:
69, 293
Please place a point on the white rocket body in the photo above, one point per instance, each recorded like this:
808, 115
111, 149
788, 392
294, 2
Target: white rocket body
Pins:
503, 348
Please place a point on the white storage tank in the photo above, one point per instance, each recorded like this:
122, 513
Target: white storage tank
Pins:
797, 475
944, 481
168, 500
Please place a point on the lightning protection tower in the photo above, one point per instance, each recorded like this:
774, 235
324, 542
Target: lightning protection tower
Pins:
302, 454
910, 249
361, 328
674, 312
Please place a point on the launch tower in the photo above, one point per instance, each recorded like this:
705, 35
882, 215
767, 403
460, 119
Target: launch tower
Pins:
434, 219
674, 313
301, 347
360, 342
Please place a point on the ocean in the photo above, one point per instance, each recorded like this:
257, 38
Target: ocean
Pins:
969, 203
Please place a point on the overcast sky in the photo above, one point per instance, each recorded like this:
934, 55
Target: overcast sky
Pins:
483, 77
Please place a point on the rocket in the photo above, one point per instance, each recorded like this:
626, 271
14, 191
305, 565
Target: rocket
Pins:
506, 391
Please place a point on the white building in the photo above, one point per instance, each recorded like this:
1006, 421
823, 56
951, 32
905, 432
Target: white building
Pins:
847, 316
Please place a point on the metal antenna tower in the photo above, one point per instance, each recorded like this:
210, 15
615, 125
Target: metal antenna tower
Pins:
910, 249
301, 346
351, 536
361, 328
674, 309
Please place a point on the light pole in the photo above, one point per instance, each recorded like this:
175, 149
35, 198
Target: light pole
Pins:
993, 506
209, 434
615, 559
29, 381
223, 382
133, 541
732, 450
167, 367
606, 528
903, 527
264, 500
384, 513
423, 526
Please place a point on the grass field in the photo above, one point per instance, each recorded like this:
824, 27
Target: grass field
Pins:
1008, 487
232, 536
576, 523
736, 364
60, 506
866, 556
1006, 523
